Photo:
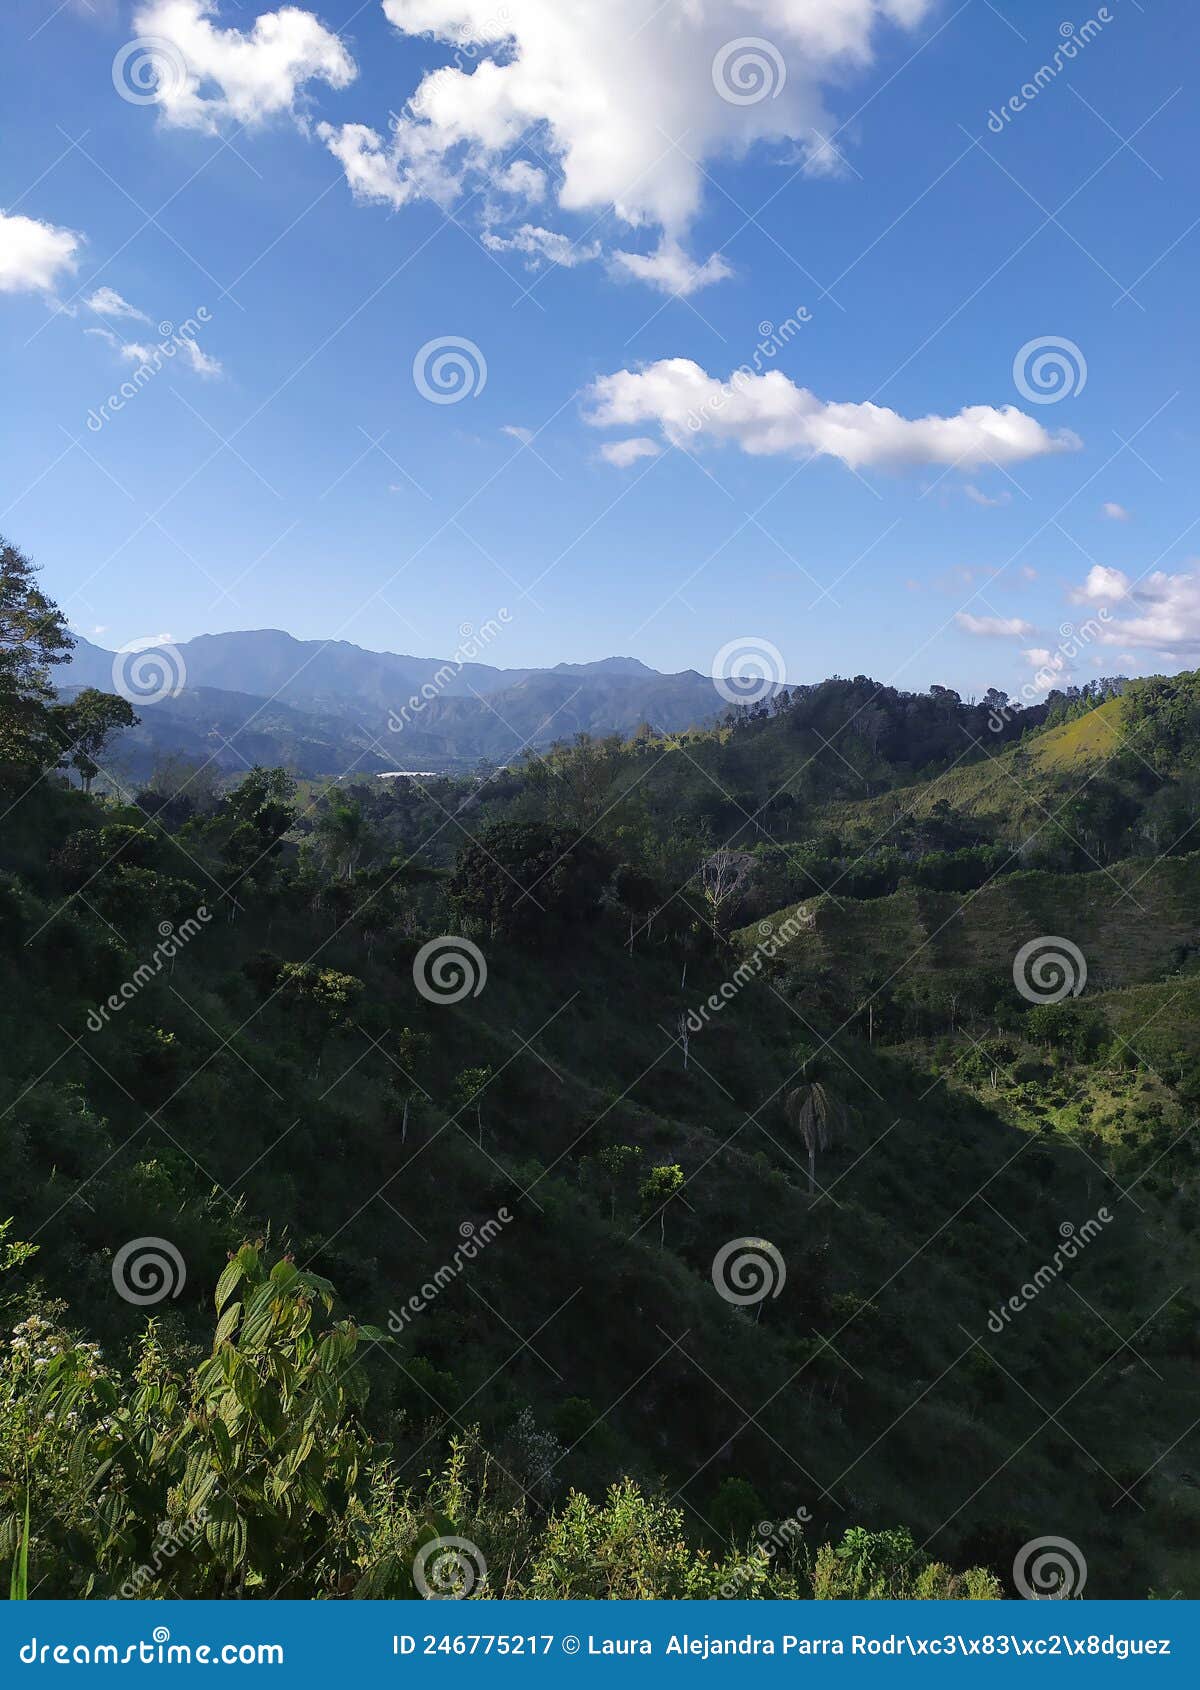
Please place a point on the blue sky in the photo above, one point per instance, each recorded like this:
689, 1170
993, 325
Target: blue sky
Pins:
863, 196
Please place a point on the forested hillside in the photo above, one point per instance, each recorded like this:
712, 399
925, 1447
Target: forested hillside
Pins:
643, 1164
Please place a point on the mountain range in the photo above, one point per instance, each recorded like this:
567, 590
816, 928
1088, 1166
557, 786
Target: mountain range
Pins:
326, 707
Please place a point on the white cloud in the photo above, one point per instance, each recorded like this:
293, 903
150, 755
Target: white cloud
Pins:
769, 415
631, 100
544, 246
524, 435
978, 497
369, 170
1114, 512
107, 302
993, 627
523, 180
198, 360
1102, 586
137, 352
33, 255
203, 75
670, 269
1160, 613
623, 453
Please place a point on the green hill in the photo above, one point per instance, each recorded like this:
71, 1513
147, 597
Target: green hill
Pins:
1133, 922
515, 1083
1011, 788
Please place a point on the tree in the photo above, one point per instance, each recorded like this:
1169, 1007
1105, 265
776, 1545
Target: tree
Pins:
182, 786
637, 895
33, 637
258, 791
86, 725
684, 1032
345, 834
527, 881
325, 998
663, 1185
817, 1116
412, 1052
722, 879
261, 813
618, 1165
467, 1089
577, 780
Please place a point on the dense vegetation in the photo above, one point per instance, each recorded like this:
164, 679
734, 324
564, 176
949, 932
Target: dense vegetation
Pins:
227, 1030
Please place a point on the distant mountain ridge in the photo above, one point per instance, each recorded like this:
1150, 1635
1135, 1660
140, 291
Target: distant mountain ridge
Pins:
326, 707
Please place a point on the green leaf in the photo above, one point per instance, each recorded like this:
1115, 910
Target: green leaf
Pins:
18, 1587
312, 1490
224, 1443
225, 1530
105, 1393
227, 1323
229, 1282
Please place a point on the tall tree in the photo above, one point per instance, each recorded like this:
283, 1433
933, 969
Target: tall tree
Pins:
469, 1088
817, 1115
33, 637
661, 1188
87, 723
345, 834
723, 878
411, 1054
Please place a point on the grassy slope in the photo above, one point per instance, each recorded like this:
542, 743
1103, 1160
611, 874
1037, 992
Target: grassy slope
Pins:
896, 1269
1131, 921
991, 791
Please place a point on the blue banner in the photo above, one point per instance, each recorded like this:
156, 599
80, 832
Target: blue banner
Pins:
614, 1643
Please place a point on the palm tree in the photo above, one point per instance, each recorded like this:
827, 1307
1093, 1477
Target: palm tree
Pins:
818, 1116
344, 833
